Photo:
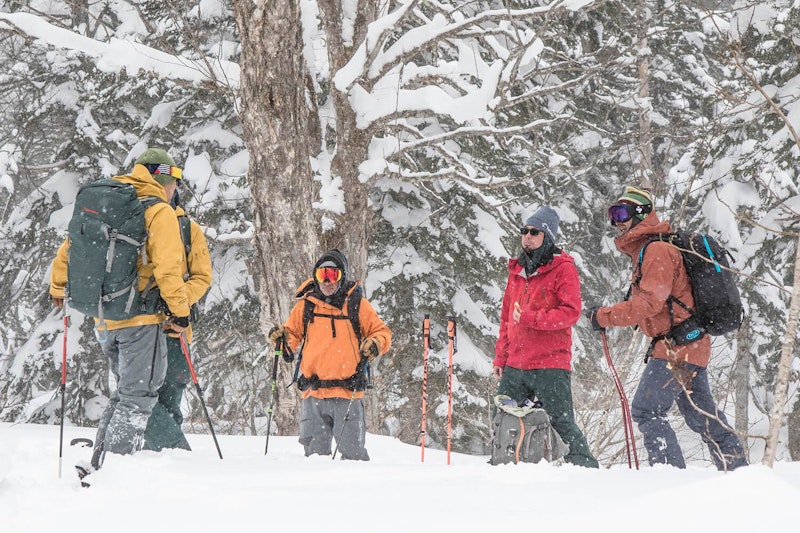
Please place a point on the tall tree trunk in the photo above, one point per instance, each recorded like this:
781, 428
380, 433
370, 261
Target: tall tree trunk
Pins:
277, 123
355, 226
741, 378
784, 367
644, 157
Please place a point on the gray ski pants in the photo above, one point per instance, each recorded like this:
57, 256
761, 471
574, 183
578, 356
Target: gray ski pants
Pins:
137, 358
321, 420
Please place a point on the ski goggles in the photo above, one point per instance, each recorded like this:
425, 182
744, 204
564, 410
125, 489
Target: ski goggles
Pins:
533, 231
624, 212
168, 170
329, 274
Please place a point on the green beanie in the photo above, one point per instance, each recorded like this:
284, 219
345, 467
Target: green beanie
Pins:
152, 158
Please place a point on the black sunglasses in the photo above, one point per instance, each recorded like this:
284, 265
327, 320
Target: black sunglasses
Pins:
533, 231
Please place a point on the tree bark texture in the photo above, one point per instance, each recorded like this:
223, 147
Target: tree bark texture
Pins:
276, 121
354, 227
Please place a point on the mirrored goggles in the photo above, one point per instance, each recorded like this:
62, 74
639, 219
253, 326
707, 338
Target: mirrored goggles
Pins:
624, 212
329, 274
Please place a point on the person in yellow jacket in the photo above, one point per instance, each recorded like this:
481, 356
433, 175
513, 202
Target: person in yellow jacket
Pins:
334, 360
136, 347
164, 425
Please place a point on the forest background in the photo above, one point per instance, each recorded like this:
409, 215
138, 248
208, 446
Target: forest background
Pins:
415, 135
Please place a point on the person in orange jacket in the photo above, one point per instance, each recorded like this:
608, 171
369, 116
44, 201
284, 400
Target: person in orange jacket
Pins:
335, 356
136, 347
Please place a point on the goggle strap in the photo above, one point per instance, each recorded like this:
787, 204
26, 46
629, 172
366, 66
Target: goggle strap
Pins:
169, 170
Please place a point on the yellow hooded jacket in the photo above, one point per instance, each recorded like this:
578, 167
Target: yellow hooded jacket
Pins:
199, 276
165, 253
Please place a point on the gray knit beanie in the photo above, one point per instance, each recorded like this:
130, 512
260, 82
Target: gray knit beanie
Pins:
546, 219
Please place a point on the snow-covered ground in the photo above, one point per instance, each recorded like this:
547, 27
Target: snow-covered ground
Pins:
283, 491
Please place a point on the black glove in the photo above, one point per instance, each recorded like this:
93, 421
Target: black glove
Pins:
175, 325
591, 314
369, 348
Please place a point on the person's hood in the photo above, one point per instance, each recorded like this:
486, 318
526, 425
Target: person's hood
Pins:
631, 242
311, 287
338, 258
143, 182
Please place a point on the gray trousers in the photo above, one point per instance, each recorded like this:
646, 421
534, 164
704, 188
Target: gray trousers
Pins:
321, 420
137, 358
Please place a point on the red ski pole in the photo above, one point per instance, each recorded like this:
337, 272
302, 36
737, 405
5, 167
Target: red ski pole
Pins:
63, 394
451, 349
199, 391
426, 342
627, 421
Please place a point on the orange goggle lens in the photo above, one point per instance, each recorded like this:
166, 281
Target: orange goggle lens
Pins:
329, 274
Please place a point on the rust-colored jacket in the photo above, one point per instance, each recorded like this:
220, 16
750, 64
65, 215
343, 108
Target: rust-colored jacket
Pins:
165, 253
330, 355
662, 275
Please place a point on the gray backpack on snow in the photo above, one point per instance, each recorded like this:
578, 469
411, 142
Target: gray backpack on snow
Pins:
523, 433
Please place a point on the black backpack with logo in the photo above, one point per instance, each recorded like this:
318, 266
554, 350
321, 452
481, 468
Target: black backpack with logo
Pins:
718, 304
107, 235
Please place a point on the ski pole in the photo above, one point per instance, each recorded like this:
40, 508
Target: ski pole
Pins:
278, 352
426, 341
344, 423
627, 422
199, 391
451, 349
63, 395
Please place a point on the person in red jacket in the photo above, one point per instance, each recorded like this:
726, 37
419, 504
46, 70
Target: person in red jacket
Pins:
533, 354
676, 368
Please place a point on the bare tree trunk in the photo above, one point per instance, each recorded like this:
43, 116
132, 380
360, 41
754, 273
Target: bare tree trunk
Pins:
741, 378
784, 367
644, 161
355, 226
277, 123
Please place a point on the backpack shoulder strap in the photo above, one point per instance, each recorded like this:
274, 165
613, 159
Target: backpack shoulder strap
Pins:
185, 224
353, 308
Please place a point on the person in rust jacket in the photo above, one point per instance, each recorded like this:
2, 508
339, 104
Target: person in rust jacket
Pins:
676, 368
533, 354
334, 360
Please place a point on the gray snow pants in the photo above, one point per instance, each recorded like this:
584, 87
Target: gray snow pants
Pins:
137, 359
320, 420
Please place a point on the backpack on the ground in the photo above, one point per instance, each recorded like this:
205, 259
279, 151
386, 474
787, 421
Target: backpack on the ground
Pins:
718, 305
524, 433
107, 234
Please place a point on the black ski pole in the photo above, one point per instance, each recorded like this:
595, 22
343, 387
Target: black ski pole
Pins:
199, 391
278, 352
63, 395
344, 423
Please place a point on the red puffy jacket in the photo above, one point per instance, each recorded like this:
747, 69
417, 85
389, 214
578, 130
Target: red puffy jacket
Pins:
550, 301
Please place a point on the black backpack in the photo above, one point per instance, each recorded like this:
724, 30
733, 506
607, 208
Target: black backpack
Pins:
107, 235
718, 304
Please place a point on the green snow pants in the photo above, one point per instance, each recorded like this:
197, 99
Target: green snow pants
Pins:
164, 425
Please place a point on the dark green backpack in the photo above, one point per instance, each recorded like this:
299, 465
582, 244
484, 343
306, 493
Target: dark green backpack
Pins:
107, 235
